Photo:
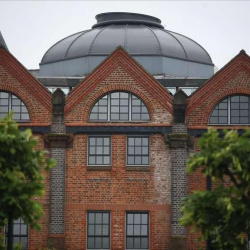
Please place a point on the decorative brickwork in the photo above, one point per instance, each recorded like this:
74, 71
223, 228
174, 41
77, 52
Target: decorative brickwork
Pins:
57, 197
178, 175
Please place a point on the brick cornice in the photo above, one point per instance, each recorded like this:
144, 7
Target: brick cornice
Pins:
119, 58
238, 64
17, 70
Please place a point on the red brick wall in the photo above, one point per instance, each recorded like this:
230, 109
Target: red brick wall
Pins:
39, 114
233, 79
118, 80
118, 190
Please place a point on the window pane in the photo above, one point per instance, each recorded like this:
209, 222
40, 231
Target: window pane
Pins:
145, 150
131, 160
235, 120
92, 160
136, 116
99, 160
98, 229
244, 106
91, 230
144, 243
130, 230
138, 150
16, 229
124, 117
137, 218
222, 112
130, 219
144, 219
105, 230
105, 243
91, 218
138, 160
105, 218
131, 141
138, 141
235, 112
145, 160
99, 150
130, 244
244, 120
145, 117
91, 242
106, 141
106, 160
23, 229
214, 120
145, 141
144, 230
137, 229
98, 218
98, 242
106, 150
235, 99
222, 120
137, 242
244, 113
244, 98
92, 150
235, 105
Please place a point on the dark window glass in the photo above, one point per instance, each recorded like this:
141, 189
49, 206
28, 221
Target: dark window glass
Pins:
20, 233
137, 230
139, 110
137, 150
10, 102
220, 113
235, 106
100, 110
98, 230
239, 110
99, 151
119, 106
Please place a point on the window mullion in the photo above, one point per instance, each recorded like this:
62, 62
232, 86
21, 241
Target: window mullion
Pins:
229, 110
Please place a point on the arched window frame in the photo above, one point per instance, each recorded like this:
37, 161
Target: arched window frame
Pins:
13, 103
227, 109
108, 105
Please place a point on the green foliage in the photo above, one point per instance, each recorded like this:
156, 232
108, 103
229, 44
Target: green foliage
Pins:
20, 174
221, 214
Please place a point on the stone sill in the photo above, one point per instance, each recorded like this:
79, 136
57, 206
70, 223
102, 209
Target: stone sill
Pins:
138, 168
99, 168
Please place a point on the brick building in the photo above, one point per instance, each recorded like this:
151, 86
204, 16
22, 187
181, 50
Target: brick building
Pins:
121, 121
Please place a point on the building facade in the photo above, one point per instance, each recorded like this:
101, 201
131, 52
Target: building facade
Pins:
120, 137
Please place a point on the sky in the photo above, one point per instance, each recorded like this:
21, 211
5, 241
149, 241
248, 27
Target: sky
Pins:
30, 28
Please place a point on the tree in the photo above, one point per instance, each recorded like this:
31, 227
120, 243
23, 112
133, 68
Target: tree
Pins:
21, 179
222, 213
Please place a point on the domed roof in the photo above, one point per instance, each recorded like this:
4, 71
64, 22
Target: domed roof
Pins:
139, 35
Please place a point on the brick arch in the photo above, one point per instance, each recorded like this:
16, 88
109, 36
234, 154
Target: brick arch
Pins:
218, 98
119, 87
23, 97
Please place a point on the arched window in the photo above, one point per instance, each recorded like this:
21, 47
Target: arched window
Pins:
10, 102
119, 106
232, 110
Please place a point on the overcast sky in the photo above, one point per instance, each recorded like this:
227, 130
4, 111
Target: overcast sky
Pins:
30, 28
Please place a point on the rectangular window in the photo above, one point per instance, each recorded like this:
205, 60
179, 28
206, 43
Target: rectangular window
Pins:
20, 233
98, 231
99, 150
137, 230
137, 150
